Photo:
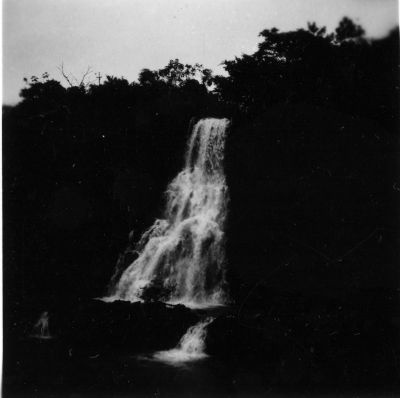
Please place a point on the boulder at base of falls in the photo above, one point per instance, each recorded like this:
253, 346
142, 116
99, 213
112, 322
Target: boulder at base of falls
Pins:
95, 326
231, 338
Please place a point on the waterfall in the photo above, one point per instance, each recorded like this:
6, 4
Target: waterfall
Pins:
190, 347
181, 257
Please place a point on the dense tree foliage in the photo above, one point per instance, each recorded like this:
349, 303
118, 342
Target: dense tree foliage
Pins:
342, 70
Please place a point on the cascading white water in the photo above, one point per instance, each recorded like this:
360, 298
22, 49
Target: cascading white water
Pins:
182, 255
190, 347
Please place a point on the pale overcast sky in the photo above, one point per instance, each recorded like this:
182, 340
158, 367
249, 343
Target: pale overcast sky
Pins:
121, 37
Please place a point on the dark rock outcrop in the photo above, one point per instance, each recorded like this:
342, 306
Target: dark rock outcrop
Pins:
97, 326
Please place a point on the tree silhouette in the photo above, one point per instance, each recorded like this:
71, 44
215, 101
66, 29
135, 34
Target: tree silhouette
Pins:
348, 30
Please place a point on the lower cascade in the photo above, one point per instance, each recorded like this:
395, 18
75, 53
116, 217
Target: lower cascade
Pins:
190, 347
181, 257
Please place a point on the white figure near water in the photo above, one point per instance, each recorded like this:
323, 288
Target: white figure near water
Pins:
183, 254
190, 347
41, 328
